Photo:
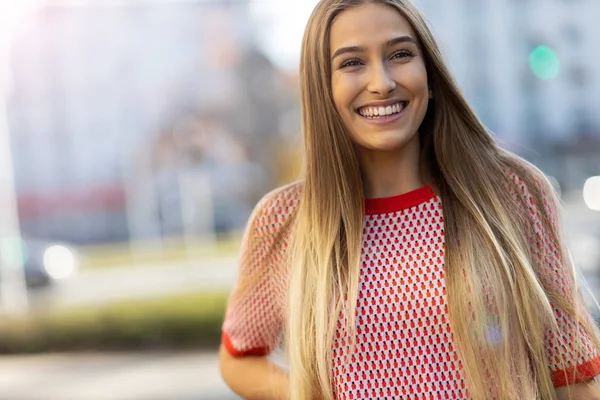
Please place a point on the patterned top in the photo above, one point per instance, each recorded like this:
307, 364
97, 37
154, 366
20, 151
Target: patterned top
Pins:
405, 345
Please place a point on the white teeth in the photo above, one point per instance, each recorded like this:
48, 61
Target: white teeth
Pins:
382, 111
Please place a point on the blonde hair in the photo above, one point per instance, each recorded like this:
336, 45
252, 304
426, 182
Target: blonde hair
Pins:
488, 244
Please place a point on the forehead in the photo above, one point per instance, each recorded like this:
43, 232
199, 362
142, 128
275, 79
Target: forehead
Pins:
368, 25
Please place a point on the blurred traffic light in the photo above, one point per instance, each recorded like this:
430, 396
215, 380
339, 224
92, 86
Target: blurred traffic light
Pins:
544, 63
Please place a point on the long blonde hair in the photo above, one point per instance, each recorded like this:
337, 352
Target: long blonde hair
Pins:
469, 172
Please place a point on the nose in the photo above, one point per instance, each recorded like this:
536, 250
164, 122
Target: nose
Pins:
380, 80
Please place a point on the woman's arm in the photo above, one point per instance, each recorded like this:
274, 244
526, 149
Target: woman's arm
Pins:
254, 319
588, 390
254, 377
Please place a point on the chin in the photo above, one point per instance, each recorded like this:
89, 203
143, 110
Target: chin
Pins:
387, 143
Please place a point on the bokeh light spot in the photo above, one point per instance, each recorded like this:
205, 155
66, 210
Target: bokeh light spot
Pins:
591, 193
544, 63
59, 262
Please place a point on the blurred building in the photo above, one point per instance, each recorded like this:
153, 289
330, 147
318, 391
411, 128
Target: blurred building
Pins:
531, 70
100, 94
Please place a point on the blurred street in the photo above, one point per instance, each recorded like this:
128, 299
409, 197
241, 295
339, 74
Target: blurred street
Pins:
154, 376
96, 286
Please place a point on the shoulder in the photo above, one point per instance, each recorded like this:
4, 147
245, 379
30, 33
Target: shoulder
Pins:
538, 203
275, 211
526, 176
280, 201
531, 188
278, 204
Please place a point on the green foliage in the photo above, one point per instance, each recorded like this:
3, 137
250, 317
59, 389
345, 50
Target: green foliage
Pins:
177, 322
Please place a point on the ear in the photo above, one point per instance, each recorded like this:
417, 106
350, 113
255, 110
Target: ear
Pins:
430, 94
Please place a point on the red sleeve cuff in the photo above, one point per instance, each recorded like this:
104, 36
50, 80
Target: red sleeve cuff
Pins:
226, 340
583, 372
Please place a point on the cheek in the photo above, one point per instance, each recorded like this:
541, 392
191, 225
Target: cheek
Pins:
415, 80
343, 92
410, 76
336, 90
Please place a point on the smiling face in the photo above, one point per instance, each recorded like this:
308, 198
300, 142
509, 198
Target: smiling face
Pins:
379, 80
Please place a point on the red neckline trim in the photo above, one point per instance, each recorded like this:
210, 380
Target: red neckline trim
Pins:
400, 202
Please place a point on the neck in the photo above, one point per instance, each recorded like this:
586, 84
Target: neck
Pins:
391, 173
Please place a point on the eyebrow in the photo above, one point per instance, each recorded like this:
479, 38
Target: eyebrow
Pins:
358, 49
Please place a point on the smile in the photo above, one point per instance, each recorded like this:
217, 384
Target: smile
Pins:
383, 115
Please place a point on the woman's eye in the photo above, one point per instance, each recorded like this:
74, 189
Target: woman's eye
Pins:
403, 54
350, 63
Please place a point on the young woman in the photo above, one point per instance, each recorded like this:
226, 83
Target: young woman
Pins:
415, 259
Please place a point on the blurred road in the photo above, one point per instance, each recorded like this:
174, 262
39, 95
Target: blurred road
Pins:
155, 376
111, 284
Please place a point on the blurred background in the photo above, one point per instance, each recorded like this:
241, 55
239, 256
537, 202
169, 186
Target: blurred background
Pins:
136, 136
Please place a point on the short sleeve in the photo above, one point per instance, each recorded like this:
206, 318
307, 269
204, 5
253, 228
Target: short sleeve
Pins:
255, 312
571, 353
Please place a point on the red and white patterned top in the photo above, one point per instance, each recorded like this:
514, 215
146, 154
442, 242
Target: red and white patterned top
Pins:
405, 346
